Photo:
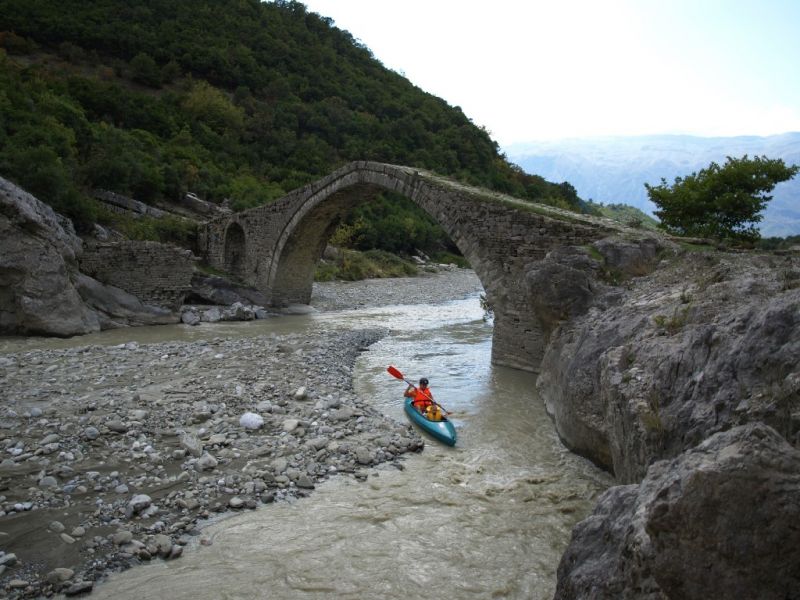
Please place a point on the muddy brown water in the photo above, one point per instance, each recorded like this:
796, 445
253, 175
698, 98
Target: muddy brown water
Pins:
486, 519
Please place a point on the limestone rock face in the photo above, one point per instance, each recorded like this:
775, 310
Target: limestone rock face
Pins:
720, 521
628, 257
37, 258
562, 285
706, 343
41, 289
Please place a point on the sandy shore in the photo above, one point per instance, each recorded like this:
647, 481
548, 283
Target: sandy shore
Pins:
115, 455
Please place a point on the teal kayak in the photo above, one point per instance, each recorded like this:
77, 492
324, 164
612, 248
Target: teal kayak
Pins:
441, 430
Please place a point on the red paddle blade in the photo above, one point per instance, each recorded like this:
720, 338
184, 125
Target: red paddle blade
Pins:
394, 372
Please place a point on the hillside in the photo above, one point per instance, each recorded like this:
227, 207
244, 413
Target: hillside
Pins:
236, 100
615, 169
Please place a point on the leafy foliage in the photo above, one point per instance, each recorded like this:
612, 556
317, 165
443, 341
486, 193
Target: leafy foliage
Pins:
353, 265
140, 99
720, 201
625, 214
778, 243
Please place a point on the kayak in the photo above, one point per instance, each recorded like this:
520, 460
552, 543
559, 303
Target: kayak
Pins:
442, 430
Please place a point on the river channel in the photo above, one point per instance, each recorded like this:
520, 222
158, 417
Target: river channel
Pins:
486, 519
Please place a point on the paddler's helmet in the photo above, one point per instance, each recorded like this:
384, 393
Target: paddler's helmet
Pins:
423, 381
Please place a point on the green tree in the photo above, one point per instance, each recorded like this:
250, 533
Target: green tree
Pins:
145, 70
720, 201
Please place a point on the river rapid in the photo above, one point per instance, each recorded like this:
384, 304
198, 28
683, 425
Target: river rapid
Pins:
486, 519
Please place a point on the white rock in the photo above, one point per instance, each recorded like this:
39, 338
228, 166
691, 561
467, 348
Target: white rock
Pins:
206, 462
251, 420
139, 502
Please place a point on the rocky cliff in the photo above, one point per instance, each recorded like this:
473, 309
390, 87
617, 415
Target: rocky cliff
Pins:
42, 290
719, 521
655, 367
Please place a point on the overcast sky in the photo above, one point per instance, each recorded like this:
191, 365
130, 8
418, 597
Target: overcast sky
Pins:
533, 70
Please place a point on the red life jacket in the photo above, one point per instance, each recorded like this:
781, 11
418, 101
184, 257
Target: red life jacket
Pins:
422, 399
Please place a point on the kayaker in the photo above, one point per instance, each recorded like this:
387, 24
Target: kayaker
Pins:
422, 398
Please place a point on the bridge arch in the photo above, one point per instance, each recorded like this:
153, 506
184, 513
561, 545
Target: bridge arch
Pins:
303, 240
500, 236
235, 250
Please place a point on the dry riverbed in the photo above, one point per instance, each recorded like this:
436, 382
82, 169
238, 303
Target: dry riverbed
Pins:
111, 456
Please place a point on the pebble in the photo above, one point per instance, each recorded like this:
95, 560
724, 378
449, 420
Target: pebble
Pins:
56, 527
122, 537
117, 426
191, 444
206, 462
8, 560
158, 439
48, 482
139, 503
251, 420
59, 575
81, 587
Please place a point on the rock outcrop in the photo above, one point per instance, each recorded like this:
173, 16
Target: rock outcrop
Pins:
686, 384
705, 343
42, 291
38, 254
720, 521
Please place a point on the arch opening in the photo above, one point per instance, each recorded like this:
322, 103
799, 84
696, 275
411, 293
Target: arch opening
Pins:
235, 251
294, 262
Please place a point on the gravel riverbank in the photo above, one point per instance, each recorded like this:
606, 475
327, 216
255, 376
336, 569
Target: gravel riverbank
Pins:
447, 284
115, 455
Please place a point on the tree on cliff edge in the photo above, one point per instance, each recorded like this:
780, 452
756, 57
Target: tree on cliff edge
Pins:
720, 201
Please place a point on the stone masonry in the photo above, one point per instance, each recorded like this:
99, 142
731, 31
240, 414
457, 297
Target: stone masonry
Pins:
275, 248
157, 274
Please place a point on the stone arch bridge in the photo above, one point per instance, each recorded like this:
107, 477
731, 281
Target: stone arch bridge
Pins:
275, 247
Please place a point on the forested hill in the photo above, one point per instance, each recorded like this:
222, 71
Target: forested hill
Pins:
224, 98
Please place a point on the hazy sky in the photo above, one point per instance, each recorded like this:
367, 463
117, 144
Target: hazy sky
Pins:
531, 70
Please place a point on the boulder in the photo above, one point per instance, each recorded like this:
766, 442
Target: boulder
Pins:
38, 254
212, 289
719, 521
190, 317
238, 312
115, 307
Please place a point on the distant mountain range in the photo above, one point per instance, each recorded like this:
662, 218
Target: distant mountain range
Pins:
615, 169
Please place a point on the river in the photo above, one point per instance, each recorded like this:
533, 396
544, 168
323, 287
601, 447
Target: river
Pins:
486, 519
